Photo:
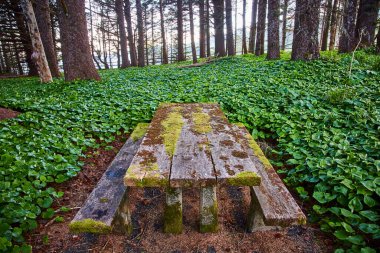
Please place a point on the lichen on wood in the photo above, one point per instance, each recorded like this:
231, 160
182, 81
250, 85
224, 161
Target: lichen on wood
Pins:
139, 131
201, 122
173, 211
246, 178
172, 127
89, 226
258, 152
209, 210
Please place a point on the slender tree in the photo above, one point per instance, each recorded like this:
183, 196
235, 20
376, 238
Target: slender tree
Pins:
244, 34
305, 37
202, 32
230, 35
366, 21
193, 49
219, 27
208, 36
333, 25
273, 29
140, 29
128, 18
378, 41
252, 30
284, 19
163, 36
347, 35
181, 55
262, 9
325, 32
122, 34
153, 39
42, 13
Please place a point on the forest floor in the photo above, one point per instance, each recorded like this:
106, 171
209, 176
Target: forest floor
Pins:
147, 213
7, 113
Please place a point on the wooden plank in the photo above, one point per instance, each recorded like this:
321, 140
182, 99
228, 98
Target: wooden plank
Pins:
105, 208
277, 204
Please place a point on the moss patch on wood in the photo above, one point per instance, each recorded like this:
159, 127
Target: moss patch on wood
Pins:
139, 131
245, 178
258, 152
89, 226
173, 219
172, 127
201, 122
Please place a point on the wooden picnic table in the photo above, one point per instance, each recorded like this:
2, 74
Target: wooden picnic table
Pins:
191, 145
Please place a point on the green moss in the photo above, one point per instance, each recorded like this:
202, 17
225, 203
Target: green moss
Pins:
246, 178
258, 152
172, 127
173, 219
152, 179
213, 225
104, 200
201, 122
139, 131
89, 226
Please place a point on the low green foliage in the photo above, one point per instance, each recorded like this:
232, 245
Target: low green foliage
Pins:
328, 141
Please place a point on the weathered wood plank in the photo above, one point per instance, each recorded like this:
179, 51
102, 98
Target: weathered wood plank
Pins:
278, 207
106, 209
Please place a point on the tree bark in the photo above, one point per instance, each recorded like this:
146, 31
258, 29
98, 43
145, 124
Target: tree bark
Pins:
347, 36
333, 25
140, 29
76, 52
42, 12
378, 42
230, 35
252, 31
181, 55
193, 49
366, 22
244, 35
262, 9
38, 49
122, 34
284, 17
153, 40
208, 36
305, 38
163, 38
219, 27
273, 29
202, 33
146, 33
325, 33
132, 47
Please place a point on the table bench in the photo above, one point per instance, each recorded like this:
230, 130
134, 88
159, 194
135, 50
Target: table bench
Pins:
192, 145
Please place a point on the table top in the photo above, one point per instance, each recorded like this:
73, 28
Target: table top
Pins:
189, 145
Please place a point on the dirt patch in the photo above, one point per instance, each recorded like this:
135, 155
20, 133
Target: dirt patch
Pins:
147, 219
7, 113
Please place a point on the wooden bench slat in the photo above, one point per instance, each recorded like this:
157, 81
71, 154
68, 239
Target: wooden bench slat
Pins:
277, 205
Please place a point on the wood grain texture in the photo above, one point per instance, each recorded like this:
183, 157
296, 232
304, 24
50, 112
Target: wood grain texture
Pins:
277, 205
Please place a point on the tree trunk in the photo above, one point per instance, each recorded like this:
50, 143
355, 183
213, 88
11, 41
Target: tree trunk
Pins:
132, 47
76, 52
305, 38
123, 35
378, 42
163, 38
244, 37
230, 35
366, 22
152, 26
181, 56
273, 29
262, 9
202, 33
38, 49
219, 27
193, 49
208, 36
44, 26
146, 33
325, 33
347, 36
284, 17
252, 30
333, 24
140, 29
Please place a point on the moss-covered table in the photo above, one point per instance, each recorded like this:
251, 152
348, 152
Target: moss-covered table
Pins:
191, 145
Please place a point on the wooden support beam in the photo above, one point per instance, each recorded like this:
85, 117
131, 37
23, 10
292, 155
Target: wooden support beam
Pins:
209, 210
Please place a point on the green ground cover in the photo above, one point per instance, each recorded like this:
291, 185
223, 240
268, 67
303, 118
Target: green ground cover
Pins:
327, 125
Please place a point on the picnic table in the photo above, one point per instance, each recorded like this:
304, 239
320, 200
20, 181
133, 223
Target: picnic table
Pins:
191, 145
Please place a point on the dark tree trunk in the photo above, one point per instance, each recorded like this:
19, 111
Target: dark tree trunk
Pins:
140, 29
244, 37
42, 12
76, 52
193, 49
153, 40
284, 19
230, 35
181, 55
262, 9
132, 47
366, 22
208, 36
252, 30
163, 38
219, 27
378, 42
273, 29
305, 38
347, 36
146, 34
123, 36
202, 33
333, 25
325, 33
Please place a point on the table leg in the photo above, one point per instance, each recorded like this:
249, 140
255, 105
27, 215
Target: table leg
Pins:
173, 211
123, 221
255, 216
209, 210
